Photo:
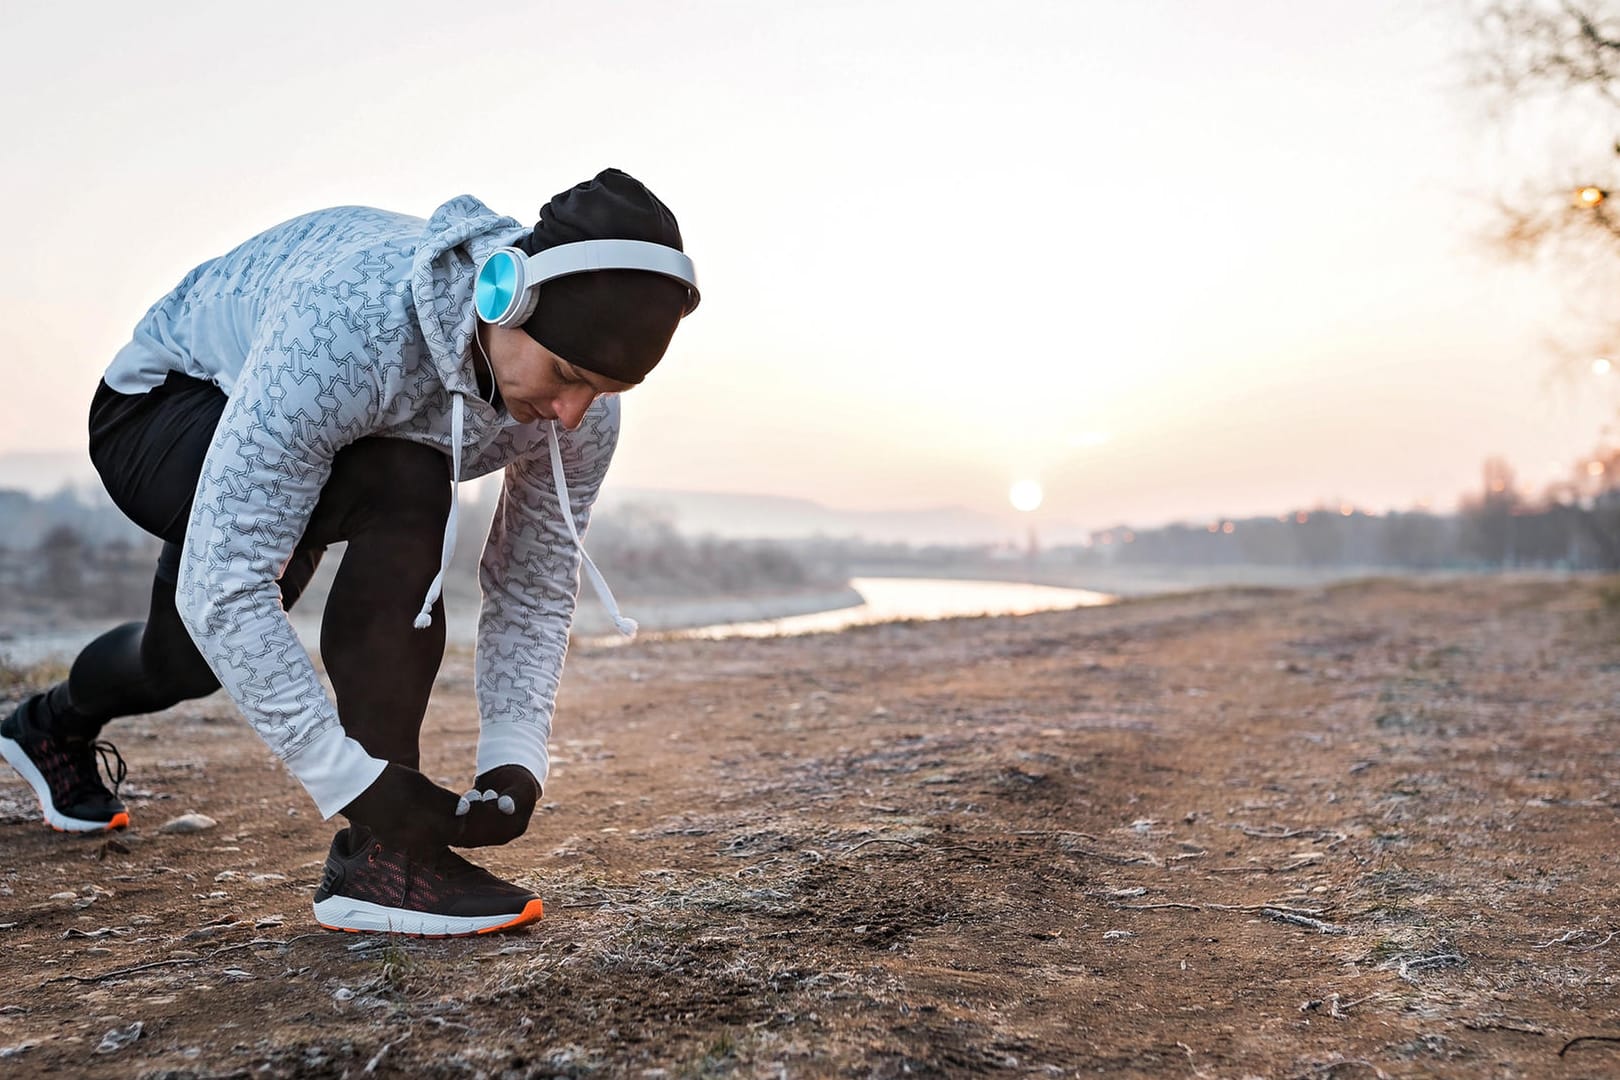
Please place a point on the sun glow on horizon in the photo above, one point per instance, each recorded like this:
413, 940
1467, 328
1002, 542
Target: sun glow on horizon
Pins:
1025, 496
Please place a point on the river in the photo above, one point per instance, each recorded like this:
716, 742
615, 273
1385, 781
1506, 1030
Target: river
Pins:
886, 600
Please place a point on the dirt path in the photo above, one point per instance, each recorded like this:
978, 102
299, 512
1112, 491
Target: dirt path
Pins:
1363, 832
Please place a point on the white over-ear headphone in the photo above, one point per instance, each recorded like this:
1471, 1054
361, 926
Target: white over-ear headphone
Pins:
508, 283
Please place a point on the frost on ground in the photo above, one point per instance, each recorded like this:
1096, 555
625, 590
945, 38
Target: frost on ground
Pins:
1366, 831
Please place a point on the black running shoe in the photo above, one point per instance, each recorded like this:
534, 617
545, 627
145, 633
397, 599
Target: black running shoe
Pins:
369, 886
62, 771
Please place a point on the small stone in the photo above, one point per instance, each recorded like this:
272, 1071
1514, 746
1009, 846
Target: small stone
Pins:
188, 823
267, 879
118, 1038
225, 875
343, 993
63, 896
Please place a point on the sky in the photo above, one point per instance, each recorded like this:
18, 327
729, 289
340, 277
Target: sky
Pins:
1170, 260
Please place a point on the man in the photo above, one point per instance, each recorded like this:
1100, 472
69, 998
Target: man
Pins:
330, 380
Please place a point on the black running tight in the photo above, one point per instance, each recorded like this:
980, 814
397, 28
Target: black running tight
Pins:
386, 498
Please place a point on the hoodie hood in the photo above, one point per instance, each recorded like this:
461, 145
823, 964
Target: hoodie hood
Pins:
456, 240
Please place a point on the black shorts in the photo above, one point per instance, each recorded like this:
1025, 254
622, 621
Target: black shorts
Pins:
149, 449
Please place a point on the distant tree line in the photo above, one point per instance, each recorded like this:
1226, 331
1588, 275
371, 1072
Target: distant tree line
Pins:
1573, 526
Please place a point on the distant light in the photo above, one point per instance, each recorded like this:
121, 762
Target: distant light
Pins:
1228, 527
1602, 366
1589, 196
1128, 537
1214, 526
1302, 517
1026, 495
1497, 485
1346, 510
1595, 468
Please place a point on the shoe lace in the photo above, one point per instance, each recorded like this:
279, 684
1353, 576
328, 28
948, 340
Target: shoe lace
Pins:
112, 765
115, 769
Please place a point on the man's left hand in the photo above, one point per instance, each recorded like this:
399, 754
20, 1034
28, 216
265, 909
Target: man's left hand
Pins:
510, 790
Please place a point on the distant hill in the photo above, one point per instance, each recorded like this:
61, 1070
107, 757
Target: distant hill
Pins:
775, 517
46, 472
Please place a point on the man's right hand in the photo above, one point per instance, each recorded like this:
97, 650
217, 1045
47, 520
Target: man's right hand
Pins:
406, 809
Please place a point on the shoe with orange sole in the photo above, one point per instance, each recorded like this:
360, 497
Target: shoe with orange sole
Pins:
62, 771
369, 886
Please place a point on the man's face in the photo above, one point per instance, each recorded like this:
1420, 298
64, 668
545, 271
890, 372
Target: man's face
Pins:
537, 384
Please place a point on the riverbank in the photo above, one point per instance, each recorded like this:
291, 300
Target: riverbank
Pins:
1367, 829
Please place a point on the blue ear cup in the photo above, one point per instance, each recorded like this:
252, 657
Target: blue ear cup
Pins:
498, 292
499, 285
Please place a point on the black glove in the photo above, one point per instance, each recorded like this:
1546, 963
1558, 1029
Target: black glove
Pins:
407, 810
499, 808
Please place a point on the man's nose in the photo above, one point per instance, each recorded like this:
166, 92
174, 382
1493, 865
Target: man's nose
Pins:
570, 408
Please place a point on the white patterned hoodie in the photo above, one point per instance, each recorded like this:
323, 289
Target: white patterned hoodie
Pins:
328, 328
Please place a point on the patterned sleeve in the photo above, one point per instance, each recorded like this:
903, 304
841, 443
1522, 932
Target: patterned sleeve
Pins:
306, 391
530, 575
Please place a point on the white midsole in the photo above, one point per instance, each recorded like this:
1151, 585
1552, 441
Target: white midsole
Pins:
348, 914
13, 752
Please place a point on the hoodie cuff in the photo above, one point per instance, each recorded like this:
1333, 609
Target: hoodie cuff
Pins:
334, 769
514, 744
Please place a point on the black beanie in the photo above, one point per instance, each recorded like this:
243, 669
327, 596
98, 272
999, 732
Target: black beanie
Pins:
613, 322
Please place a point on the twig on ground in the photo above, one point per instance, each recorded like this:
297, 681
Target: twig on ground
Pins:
1191, 1064
1283, 832
1121, 858
1569, 936
878, 840
120, 972
1304, 920
1488, 1024
1305, 917
1588, 1038
1337, 1008
371, 1066
123, 971
1423, 961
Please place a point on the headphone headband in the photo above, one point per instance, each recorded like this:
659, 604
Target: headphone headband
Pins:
506, 288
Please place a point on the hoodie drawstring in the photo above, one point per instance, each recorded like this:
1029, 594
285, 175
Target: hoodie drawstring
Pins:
621, 623
458, 408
